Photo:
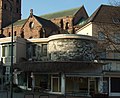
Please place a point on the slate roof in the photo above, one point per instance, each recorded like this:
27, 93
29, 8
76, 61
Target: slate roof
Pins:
105, 13
55, 66
19, 22
46, 23
70, 12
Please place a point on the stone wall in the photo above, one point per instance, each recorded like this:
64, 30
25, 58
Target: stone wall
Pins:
71, 47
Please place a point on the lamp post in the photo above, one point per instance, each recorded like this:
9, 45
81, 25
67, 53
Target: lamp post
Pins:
11, 67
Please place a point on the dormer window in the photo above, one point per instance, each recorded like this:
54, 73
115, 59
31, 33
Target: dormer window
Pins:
116, 20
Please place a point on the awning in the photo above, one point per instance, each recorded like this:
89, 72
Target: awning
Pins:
87, 74
57, 66
111, 73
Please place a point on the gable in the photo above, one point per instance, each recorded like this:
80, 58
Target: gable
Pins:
105, 14
31, 28
80, 16
31, 21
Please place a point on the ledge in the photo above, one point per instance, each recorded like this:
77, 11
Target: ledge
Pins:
71, 36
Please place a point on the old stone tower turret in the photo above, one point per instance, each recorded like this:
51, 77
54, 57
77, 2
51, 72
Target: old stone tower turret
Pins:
9, 9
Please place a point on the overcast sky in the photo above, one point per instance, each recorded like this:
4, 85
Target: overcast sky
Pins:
41, 7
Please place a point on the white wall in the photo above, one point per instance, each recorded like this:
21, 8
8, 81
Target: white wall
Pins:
0, 52
86, 30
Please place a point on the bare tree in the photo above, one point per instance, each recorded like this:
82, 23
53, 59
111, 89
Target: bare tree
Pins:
114, 2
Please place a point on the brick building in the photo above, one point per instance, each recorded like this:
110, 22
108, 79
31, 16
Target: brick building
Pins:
57, 57
39, 26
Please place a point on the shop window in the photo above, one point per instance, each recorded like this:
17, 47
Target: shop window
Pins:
4, 51
115, 85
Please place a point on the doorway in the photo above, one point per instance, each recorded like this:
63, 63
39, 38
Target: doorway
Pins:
55, 83
92, 87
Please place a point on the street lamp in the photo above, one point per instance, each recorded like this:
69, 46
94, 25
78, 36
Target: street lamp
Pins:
11, 67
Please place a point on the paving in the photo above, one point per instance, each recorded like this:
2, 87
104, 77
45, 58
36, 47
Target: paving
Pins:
5, 94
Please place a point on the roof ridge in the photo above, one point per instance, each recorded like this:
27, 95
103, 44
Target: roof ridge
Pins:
60, 11
92, 17
68, 12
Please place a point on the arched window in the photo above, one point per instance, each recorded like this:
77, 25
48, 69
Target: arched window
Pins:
22, 34
15, 33
61, 23
31, 25
9, 34
67, 26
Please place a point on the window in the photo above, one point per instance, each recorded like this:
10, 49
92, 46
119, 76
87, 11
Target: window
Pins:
115, 84
44, 49
116, 55
9, 34
42, 33
9, 50
22, 34
4, 51
101, 36
117, 37
5, 6
116, 20
31, 25
17, 1
15, 33
34, 50
17, 10
61, 23
81, 21
67, 26
103, 55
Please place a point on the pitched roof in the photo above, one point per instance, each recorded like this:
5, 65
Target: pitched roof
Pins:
105, 13
46, 23
19, 22
69, 12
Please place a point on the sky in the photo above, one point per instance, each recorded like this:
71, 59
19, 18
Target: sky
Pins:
41, 7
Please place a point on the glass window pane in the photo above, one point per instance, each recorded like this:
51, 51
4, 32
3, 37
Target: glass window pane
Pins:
101, 36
